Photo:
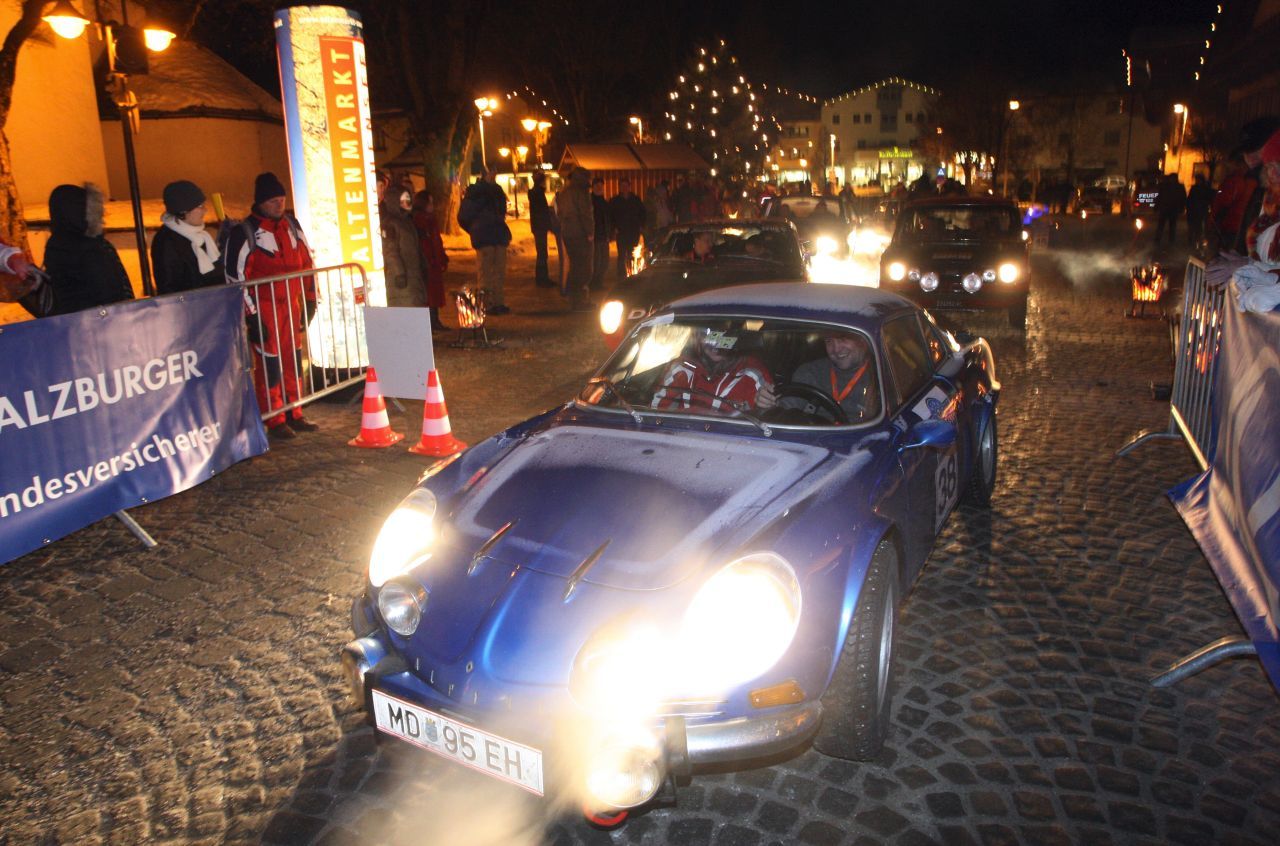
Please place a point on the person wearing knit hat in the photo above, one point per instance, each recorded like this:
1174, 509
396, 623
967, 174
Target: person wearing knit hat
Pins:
270, 243
1254, 138
183, 255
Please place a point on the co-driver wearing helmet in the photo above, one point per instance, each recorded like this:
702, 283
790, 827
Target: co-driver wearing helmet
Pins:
713, 376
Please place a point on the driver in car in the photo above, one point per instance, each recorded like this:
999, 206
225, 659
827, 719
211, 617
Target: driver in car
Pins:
713, 376
700, 249
847, 375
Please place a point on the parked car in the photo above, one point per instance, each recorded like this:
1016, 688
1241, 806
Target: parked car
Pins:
1142, 194
822, 222
648, 579
1093, 200
739, 251
964, 252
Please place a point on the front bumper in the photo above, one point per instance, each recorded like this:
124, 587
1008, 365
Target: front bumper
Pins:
366, 661
950, 294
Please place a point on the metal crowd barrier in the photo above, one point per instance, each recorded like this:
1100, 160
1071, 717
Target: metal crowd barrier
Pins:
331, 353
1195, 368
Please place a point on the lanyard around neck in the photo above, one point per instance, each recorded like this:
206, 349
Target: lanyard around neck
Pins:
840, 394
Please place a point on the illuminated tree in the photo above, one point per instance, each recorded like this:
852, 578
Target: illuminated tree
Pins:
715, 109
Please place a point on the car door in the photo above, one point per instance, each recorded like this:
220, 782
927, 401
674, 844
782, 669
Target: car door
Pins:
932, 475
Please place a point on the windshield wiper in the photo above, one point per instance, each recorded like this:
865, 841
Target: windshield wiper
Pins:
737, 408
617, 393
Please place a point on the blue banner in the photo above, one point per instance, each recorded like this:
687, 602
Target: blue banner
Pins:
1233, 509
115, 407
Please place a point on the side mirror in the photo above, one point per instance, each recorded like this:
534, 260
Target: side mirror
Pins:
932, 434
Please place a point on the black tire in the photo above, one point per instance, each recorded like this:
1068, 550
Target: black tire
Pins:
856, 705
986, 455
1018, 316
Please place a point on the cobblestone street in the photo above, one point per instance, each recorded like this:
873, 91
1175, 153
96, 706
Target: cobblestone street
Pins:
192, 693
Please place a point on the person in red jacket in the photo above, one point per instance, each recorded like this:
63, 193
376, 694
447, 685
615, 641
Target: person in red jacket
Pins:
713, 377
424, 220
271, 243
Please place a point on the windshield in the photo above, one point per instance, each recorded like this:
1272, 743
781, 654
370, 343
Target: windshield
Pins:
802, 208
738, 242
751, 369
959, 223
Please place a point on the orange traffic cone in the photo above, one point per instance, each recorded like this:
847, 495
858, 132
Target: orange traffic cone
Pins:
375, 428
437, 438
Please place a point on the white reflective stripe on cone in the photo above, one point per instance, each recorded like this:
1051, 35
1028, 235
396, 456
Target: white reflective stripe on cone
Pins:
434, 394
375, 420
436, 426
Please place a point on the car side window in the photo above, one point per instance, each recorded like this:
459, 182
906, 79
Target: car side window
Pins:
908, 356
936, 342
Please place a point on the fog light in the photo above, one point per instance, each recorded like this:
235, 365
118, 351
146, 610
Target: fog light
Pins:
897, 271
929, 282
913, 275
1008, 272
989, 275
972, 283
401, 606
611, 316
625, 771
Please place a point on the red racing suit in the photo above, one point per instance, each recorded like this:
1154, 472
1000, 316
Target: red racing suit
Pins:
734, 387
279, 309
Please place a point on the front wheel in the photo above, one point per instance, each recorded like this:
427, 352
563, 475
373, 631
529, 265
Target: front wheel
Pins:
982, 479
855, 708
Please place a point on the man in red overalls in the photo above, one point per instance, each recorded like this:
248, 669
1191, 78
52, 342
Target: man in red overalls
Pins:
270, 243
713, 377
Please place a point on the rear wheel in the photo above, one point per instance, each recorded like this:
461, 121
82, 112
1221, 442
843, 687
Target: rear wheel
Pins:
855, 708
982, 480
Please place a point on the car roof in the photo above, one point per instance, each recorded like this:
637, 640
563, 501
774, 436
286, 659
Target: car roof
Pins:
862, 308
961, 200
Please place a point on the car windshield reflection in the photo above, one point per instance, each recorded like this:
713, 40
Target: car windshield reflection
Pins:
706, 245
755, 370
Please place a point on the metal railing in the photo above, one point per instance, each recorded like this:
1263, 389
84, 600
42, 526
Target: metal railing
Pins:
306, 334
1196, 348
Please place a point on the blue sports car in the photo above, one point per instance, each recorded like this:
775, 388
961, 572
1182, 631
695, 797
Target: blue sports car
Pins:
697, 560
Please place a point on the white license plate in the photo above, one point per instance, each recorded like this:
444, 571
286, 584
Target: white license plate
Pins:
490, 754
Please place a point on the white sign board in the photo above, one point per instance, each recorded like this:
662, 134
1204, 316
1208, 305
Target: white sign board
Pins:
399, 341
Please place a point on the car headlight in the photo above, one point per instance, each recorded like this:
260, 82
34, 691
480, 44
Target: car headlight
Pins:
741, 621
913, 275
929, 282
625, 770
897, 271
611, 316
401, 606
988, 275
1026, 235
825, 245
1008, 272
972, 283
406, 538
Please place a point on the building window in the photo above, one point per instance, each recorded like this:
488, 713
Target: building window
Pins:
862, 143
1111, 138
866, 118
857, 118
909, 117
919, 117
835, 120
888, 121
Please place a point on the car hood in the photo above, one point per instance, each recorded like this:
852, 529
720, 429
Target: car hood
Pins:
948, 254
661, 283
657, 502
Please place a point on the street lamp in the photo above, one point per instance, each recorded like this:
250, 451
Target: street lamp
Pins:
124, 56
485, 106
1014, 105
639, 125
1180, 110
538, 128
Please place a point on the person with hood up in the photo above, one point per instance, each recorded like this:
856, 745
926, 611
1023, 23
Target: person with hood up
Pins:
183, 255
577, 231
270, 243
84, 268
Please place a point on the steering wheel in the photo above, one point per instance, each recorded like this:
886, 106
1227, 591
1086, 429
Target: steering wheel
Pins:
823, 403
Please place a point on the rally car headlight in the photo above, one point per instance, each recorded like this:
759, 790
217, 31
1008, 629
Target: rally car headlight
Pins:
989, 275
625, 770
972, 283
742, 620
1008, 272
929, 282
611, 316
401, 606
825, 245
897, 271
406, 538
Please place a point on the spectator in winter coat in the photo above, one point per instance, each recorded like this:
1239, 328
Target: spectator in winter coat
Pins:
541, 222
85, 269
432, 246
406, 267
1227, 208
1171, 202
603, 230
483, 215
657, 213
1198, 199
1254, 136
626, 213
183, 255
577, 232
270, 243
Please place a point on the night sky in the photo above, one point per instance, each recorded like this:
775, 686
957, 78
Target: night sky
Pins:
826, 48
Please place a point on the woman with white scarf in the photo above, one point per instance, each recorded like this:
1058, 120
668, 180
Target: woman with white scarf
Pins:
183, 255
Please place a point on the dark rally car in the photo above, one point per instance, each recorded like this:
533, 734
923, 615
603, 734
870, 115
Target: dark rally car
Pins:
741, 251
960, 253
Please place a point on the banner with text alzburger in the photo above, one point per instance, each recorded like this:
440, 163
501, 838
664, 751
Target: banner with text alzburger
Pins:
114, 407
